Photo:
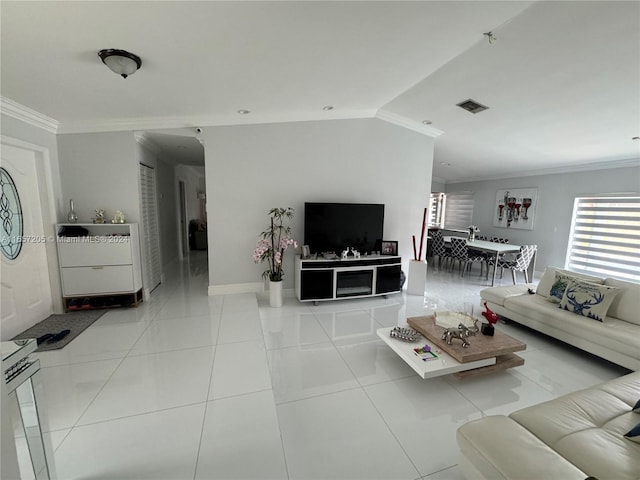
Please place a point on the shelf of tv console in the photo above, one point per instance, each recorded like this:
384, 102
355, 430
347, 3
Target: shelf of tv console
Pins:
321, 279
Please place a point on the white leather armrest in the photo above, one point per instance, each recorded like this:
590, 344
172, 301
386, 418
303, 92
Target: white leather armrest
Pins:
500, 448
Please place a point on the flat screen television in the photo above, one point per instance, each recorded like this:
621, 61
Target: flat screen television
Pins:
331, 227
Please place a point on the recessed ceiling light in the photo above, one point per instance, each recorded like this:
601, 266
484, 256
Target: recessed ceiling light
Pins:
472, 106
328, 107
427, 122
244, 112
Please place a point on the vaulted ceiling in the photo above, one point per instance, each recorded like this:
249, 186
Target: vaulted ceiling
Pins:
561, 79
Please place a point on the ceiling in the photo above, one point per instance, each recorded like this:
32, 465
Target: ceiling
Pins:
562, 79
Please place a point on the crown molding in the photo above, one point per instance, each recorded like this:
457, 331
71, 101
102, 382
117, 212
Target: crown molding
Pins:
146, 142
408, 123
625, 163
27, 115
209, 121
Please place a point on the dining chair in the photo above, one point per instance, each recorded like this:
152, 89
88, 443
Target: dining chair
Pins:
521, 262
461, 253
439, 248
491, 258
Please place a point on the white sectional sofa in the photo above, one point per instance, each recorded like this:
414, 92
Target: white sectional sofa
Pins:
616, 338
573, 437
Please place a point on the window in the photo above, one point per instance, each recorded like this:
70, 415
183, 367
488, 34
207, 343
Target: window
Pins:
605, 237
458, 213
437, 202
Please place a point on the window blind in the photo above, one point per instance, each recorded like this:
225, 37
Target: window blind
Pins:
437, 203
458, 212
605, 237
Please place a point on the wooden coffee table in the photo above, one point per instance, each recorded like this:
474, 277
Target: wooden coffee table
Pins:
485, 354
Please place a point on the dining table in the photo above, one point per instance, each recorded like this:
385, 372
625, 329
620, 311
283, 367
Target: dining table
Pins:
497, 249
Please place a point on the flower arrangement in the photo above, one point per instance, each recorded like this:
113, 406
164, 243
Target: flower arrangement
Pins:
273, 242
472, 232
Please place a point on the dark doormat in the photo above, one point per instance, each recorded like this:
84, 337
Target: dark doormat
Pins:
75, 322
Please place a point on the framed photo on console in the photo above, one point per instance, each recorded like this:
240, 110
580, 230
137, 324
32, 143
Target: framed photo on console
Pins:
389, 247
306, 253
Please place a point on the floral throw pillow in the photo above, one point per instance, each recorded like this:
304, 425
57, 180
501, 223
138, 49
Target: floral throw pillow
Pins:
559, 286
588, 299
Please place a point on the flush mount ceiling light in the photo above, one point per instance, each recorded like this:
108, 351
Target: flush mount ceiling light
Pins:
472, 106
120, 61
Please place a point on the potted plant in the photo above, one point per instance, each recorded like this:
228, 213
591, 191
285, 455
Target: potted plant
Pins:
270, 248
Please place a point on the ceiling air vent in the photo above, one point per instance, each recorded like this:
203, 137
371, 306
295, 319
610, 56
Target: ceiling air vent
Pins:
472, 106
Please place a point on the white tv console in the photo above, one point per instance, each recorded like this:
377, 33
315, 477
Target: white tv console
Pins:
321, 279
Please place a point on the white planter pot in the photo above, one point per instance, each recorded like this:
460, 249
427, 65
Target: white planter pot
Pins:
275, 294
417, 279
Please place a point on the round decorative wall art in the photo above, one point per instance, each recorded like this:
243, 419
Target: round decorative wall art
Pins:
10, 217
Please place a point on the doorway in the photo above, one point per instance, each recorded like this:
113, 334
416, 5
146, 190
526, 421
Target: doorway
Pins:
24, 266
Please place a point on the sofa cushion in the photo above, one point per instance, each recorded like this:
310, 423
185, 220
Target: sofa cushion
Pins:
549, 278
588, 299
498, 295
587, 427
614, 334
626, 305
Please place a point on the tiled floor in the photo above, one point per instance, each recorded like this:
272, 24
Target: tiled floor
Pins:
187, 386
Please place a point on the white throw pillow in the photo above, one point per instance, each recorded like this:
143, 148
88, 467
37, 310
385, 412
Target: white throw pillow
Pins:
588, 299
549, 278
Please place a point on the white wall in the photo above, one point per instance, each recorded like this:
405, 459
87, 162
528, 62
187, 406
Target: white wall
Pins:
252, 168
556, 194
100, 170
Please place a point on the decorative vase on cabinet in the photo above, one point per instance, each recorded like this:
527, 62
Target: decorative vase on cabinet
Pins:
71, 216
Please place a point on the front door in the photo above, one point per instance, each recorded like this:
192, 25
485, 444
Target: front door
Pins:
24, 272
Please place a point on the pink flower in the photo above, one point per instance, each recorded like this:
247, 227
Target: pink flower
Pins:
278, 257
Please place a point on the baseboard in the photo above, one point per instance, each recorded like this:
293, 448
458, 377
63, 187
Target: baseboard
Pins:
234, 288
256, 287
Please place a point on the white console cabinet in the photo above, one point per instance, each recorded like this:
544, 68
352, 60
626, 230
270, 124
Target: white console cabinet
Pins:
105, 262
320, 279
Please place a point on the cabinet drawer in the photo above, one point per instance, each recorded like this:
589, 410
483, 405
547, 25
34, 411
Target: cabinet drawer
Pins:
97, 280
82, 251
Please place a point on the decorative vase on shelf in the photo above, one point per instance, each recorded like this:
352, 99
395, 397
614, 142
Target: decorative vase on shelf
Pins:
275, 293
71, 216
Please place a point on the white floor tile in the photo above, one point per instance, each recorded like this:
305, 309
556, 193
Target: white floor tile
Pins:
340, 436
98, 342
68, 390
452, 473
239, 368
153, 382
158, 446
500, 393
561, 370
424, 416
166, 334
291, 330
307, 371
241, 440
374, 362
239, 325
346, 328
